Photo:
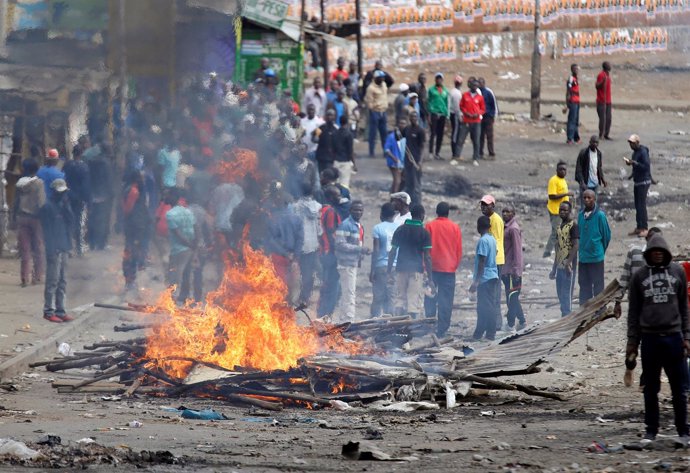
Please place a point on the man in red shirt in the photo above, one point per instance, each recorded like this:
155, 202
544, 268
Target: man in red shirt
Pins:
603, 86
339, 74
572, 103
473, 108
446, 253
330, 278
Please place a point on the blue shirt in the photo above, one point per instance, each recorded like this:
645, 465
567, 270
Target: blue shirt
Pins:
383, 232
48, 174
396, 148
182, 219
486, 246
595, 236
170, 160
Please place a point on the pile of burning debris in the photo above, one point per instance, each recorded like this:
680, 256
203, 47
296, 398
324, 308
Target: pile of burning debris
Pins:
245, 347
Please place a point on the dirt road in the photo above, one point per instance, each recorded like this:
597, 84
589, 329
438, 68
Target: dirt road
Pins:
522, 434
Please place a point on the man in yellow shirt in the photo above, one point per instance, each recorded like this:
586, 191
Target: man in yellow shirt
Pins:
557, 190
488, 203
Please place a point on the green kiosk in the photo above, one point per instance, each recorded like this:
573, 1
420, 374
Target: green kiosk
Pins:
266, 32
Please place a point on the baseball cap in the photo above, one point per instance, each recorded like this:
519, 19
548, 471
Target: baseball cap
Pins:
414, 94
404, 196
488, 199
634, 139
269, 72
53, 154
379, 74
404, 87
59, 185
439, 74
458, 78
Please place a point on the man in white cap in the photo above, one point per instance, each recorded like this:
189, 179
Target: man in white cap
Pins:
438, 113
401, 202
401, 102
642, 179
455, 115
56, 221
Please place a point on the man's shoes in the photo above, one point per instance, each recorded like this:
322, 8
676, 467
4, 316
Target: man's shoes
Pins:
635, 232
578, 141
52, 318
643, 233
569, 142
546, 255
521, 326
475, 163
608, 138
648, 436
65, 317
507, 328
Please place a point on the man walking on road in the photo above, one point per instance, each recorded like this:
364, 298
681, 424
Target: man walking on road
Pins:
557, 191
658, 320
595, 236
488, 118
414, 155
589, 172
511, 271
423, 99
56, 220
572, 103
326, 139
603, 86
485, 282
446, 254
376, 100
349, 249
565, 262
438, 112
472, 107
642, 179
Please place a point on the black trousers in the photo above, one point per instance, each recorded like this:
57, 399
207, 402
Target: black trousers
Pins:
640, 193
664, 351
454, 134
513, 287
590, 277
441, 305
413, 184
604, 112
487, 135
436, 130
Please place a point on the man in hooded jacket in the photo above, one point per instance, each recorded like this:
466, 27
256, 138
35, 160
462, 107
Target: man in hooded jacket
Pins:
658, 321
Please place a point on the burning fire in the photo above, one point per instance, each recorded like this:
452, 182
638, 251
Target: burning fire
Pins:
239, 163
246, 322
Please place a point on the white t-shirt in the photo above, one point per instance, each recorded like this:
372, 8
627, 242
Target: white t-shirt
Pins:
454, 98
309, 126
400, 219
593, 164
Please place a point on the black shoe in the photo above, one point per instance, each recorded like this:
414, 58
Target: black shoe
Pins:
649, 436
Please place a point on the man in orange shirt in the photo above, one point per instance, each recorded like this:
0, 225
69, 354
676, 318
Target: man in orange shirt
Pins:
446, 253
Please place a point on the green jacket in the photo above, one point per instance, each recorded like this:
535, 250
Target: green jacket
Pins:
438, 101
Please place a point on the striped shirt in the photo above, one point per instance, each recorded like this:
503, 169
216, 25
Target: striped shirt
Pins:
633, 261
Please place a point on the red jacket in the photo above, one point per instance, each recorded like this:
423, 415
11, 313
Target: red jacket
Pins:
472, 106
603, 86
446, 245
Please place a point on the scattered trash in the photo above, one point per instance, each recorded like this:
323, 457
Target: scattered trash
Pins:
111, 398
340, 405
64, 349
258, 420
135, 424
408, 406
86, 440
551, 437
490, 414
677, 132
366, 451
299, 461
463, 388
604, 421
49, 439
373, 434
510, 75
206, 414
501, 446
12, 448
450, 395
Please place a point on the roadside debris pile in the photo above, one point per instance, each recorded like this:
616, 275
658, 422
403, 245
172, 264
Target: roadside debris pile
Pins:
409, 370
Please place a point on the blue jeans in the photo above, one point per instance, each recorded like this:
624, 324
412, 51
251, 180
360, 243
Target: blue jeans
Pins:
640, 192
377, 122
565, 285
573, 122
488, 309
330, 285
664, 351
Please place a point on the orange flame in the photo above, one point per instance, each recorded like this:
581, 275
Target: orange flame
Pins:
238, 163
246, 322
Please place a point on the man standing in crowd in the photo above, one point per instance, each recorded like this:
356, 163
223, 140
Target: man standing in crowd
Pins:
352, 111
49, 171
56, 220
102, 193
488, 119
315, 96
79, 183
423, 99
472, 107
330, 279
400, 103
309, 212
284, 242
325, 136
595, 236
411, 245
642, 179
394, 150
414, 155
572, 103
565, 262
658, 320
488, 205
309, 124
382, 287
371, 75
376, 101
557, 192
589, 172
455, 115
603, 86
349, 249
634, 260
29, 197
345, 152
401, 202
511, 271
183, 240
339, 73
446, 254
438, 113
485, 282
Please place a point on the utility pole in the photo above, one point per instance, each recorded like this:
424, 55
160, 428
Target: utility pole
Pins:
122, 43
535, 97
358, 16
3, 28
